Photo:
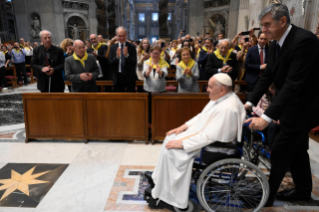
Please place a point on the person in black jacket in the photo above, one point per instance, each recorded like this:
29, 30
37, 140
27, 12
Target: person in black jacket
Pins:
222, 61
99, 51
123, 60
203, 55
48, 62
293, 59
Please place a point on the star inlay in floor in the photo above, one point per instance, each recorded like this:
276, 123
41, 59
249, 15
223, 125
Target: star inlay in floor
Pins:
25, 185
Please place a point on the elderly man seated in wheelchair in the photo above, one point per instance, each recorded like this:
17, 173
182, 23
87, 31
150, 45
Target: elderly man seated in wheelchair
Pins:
219, 123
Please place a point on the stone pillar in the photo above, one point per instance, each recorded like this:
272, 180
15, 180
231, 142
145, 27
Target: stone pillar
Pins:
101, 17
233, 19
111, 10
195, 17
162, 19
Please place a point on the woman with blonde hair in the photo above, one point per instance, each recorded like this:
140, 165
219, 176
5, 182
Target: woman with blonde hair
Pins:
143, 54
67, 46
187, 72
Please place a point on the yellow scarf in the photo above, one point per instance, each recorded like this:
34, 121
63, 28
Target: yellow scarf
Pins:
162, 53
162, 63
17, 51
204, 48
26, 47
219, 56
22, 45
240, 47
97, 47
231, 49
5, 52
174, 49
81, 60
104, 44
190, 65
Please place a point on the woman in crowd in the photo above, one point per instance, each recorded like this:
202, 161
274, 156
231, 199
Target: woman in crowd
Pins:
154, 71
187, 44
187, 73
7, 56
241, 56
88, 44
164, 55
67, 46
28, 53
143, 54
173, 54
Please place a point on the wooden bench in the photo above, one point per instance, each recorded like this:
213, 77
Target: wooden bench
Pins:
12, 78
84, 116
30, 74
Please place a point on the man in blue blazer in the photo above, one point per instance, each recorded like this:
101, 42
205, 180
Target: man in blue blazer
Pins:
203, 55
256, 61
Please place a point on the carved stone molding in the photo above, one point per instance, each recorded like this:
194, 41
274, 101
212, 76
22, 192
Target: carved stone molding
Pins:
75, 5
216, 3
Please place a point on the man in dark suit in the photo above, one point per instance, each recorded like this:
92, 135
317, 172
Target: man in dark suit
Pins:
123, 60
81, 69
293, 68
256, 61
222, 61
203, 55
99, 51
48, 62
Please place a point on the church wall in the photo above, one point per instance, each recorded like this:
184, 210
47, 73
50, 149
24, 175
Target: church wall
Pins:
92, 18
196, 16
297, 18
233, 18
242, 15
255, 7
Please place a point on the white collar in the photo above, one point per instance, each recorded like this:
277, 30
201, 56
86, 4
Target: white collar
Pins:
124, 44
283, 38
259, 47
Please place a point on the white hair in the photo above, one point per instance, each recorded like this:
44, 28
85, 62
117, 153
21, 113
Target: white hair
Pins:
40, 34
224, 40
121, 27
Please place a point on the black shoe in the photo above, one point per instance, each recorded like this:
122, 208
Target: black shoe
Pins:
292, 195
148, 176
148, 197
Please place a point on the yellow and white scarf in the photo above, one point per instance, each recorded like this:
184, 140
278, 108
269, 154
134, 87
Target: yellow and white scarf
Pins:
97, 47
162, 63
219, 56
190, 65
81, 60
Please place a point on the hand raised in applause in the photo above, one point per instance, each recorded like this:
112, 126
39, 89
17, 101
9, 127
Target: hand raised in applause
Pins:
178, 130
118, 52
158, 70
84, 77
225, 69
95, 55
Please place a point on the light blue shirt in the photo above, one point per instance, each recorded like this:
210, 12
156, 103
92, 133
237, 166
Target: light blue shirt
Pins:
17, 57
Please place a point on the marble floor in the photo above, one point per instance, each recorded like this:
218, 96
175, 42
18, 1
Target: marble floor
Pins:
101, 176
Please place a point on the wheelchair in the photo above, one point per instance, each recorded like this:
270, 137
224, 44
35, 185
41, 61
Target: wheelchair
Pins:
256, 149
232, 184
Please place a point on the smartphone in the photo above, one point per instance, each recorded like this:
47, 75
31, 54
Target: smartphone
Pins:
207, 33
245, 33
183, 31
162, 45
256, 29
246, 40
199, 41
191, 40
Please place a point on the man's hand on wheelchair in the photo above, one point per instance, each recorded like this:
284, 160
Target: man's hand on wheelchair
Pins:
178, 130
247, 107
175, 144
257, 123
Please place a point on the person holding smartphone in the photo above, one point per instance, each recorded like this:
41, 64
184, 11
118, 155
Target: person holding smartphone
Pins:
18, 56
143, 54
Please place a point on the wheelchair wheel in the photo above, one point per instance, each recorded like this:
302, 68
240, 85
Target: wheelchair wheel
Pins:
190, 207
232, 185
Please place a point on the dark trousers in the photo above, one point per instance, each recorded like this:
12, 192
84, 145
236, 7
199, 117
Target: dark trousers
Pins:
3, 81
20, 67
250, 86
272, 131
123, 84
290, 150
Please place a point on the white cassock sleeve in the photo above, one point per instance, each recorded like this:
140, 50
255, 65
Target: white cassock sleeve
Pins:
221, 126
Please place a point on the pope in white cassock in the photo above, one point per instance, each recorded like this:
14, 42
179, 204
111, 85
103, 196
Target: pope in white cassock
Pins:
221, 120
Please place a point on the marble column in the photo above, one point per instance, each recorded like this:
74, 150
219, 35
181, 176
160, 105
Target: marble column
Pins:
195, 17
162, 20
101, 17
233, 18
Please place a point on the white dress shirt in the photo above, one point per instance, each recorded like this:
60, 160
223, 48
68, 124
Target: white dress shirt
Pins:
280, 42
124, 45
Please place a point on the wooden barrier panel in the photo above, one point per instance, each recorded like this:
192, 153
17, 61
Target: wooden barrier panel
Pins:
170, 110
115, 116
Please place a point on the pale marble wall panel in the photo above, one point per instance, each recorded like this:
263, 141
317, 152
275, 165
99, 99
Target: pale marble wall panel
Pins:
297, 18
60, 33
233, 18
255, 7
196, 16
23, 26
243, 12
92, 18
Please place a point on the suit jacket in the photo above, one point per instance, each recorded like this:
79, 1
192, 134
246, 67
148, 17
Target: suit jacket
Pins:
130, 62
73, 69
252, 63
56, 61
202, 60
296, 78
101, 53
213, 64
